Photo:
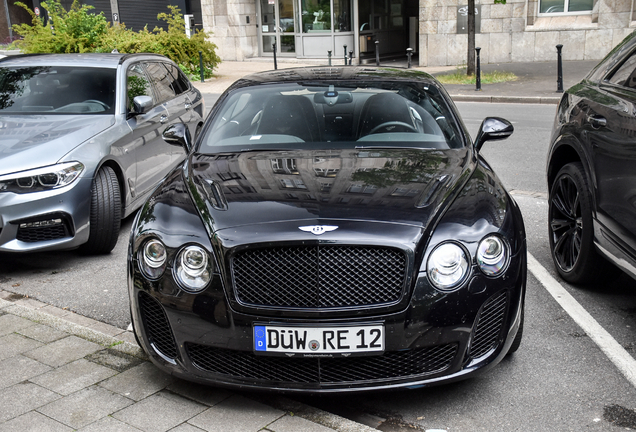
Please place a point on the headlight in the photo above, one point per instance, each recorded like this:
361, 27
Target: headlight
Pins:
192, 268
492, 256
447, 266
41, 179
153, 257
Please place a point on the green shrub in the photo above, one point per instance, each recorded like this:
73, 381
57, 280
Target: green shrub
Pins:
79, 31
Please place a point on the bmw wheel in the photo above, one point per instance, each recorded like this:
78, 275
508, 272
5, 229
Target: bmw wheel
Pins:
105, 214
571, 229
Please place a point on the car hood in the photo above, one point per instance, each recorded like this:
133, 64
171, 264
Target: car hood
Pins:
405, 186
39, 140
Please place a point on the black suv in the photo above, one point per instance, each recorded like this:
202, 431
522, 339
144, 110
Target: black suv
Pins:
591, 172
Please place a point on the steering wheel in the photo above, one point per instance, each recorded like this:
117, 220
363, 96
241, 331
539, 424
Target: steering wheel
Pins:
106, 107
388, 124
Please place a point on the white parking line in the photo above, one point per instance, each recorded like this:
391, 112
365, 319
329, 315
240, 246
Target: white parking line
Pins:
612, 349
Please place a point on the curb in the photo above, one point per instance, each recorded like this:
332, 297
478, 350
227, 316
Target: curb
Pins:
55, 317
543, 100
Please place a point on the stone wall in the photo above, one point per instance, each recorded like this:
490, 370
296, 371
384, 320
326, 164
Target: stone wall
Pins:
513, 32
235, 38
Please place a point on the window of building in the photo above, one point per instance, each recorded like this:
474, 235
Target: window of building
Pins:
565, 6
317, 15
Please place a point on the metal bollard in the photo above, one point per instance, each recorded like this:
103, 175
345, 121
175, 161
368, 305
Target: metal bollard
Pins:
377, 53
409, 53
559, 69
478, 74
274, 47
329, 56
201, 66
350, 57
345, 57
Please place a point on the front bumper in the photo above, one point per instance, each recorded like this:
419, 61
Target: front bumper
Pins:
439, 337
29, 222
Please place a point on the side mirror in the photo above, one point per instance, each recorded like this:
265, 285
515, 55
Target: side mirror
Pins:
491, 129
142, 104
178, 135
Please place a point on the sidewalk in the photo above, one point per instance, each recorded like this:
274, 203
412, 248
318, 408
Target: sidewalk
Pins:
60, 371
536, 81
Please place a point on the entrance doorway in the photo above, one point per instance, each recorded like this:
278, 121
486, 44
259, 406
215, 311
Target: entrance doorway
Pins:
277, 25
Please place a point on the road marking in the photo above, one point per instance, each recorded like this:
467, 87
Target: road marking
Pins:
612, 349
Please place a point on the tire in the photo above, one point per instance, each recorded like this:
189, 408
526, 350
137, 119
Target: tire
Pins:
517, 341
105, 213
571, 230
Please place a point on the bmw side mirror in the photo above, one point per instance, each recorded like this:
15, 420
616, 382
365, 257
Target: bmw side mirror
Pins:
491, 129
179, 135
142, 104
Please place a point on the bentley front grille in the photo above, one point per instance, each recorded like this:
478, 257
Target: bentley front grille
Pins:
489, 325
319, 276
157, 326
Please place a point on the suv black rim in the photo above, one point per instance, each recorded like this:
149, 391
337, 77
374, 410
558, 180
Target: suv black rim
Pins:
566, 222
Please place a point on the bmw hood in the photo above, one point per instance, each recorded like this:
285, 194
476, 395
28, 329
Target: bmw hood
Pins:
404, 186
39, 140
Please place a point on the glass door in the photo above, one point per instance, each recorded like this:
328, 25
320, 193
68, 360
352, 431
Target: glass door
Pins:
277, 26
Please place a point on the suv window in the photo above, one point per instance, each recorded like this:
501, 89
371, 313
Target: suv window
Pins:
626, 74
162, 80
180, 83
137, 85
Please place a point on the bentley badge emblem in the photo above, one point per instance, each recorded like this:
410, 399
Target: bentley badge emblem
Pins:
318, 229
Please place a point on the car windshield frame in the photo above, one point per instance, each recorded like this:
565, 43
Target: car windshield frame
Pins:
318, 114
57, 90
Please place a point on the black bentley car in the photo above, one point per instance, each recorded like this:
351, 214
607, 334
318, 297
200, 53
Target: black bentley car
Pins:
592, 174
332, 229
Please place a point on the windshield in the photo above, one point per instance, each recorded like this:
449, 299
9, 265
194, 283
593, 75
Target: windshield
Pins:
338, 114
57, 90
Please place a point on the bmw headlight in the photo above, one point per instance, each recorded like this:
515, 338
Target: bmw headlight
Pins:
447, 266
492, 255
192, 268
153, 258
41, 179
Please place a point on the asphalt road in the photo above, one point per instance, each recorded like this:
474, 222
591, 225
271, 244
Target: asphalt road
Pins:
558, 380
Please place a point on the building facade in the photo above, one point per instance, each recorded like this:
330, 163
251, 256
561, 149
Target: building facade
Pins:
518, 31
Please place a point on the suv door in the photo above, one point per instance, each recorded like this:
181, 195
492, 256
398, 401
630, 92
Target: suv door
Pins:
152, 154
611, 131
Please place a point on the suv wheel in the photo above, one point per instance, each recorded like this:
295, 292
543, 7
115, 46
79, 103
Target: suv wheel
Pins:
105, 216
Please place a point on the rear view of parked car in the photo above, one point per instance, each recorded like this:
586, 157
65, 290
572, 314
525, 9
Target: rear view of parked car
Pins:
591, 172
81, 146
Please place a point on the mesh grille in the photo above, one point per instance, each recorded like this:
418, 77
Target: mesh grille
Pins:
489, 325
319, 276
157, 326
390, 366
37, 234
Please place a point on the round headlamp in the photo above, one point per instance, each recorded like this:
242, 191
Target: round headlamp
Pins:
192, 268
492, 256
153, 258
447, 266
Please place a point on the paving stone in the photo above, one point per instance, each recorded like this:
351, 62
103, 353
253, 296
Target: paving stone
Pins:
203, 394
13, 344
185, 427
236, 414
85, 407
22, 398
159, 412
295, 424
33, 422
19, 368
11, 323
114, 359
109, 424
73, 376
139, 382
64, 351
42, 333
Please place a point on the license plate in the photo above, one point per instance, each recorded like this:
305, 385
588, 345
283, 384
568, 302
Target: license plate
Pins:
318, 341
